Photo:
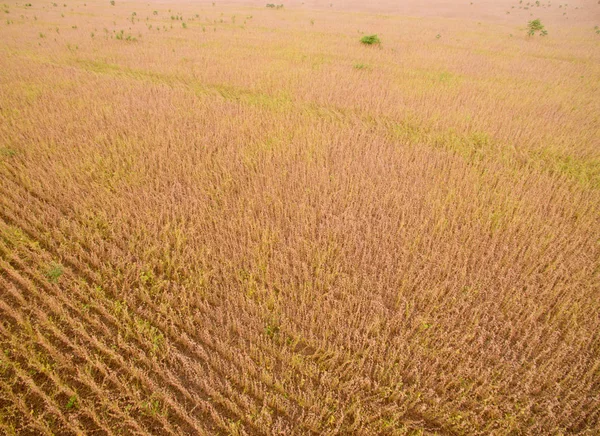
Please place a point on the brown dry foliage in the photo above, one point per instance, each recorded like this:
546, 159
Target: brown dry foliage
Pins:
229, 229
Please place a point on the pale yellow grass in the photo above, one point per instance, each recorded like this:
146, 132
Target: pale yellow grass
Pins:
256, 225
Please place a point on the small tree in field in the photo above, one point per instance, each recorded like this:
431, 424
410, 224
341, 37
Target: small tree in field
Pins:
536, 26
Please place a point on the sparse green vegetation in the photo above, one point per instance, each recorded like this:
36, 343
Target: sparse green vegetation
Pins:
121, 36
54, 272
73, 403
152, 407
7, 152
271, 330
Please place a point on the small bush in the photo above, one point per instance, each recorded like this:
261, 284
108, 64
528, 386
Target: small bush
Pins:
370, 40
536, 26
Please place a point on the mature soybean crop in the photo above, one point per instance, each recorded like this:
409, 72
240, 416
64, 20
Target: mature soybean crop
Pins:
221, 219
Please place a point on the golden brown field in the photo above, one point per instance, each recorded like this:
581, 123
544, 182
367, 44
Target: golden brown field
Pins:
231, 219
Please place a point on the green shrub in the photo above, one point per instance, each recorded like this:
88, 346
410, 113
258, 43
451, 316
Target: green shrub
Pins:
370, 40
536, 26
